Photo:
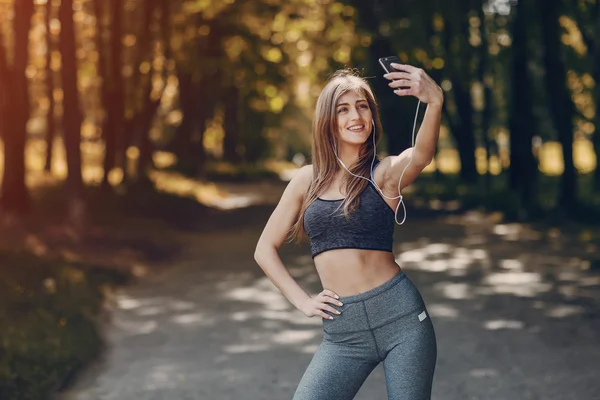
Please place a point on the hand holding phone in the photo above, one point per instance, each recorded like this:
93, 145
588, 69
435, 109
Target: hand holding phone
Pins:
386, 63
412, 81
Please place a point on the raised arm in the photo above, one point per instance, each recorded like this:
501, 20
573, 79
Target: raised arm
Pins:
414, 82
274, 234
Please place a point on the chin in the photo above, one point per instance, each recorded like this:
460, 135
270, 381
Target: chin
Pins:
355, 138
354, 143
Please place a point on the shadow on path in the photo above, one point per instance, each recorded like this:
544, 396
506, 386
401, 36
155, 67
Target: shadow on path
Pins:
515, 312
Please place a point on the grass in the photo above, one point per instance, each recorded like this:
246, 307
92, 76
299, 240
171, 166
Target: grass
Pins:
49, 313
53, 284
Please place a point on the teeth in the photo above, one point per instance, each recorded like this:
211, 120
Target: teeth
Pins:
356, 128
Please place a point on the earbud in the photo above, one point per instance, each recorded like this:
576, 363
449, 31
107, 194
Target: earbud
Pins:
401, 175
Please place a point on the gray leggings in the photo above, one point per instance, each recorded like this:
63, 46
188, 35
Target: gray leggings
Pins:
388, 323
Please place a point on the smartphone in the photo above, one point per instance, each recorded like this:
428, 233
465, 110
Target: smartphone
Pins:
386, 63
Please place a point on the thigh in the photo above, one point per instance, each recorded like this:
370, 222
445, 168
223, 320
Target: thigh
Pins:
410, 365
334, 373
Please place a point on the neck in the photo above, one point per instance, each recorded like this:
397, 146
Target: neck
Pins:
349, 155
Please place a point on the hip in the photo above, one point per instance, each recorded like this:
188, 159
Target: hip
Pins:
397, 299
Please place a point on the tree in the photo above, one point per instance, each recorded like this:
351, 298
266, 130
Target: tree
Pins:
523, 167
50, 120
460, 56
145, 116
113, 94
587, 16
15, 111
72, 113
484, 76
559, 96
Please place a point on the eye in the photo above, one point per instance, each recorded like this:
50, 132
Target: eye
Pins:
342, 109
364, 106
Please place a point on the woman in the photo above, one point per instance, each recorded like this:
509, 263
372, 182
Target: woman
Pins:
345, 203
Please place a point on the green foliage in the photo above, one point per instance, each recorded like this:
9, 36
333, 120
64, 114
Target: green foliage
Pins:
48, 323
266, 57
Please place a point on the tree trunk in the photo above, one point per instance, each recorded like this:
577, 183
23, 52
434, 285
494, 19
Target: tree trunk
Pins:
141, 83
465, 136
150, 108
522, 173
462, 130
596, 135
145, 162
106, 123
562, 108
143, 132
232, 125
484, 79
182, 144
14, 196
50, 121
595, 54
255, 144
198, 102
485, 127
4, 88
115, 112
72, 113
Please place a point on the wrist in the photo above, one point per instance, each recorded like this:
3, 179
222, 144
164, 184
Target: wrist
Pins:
438, 101
436, 104
300, 302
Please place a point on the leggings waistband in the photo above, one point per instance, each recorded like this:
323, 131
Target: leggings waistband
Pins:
375, 291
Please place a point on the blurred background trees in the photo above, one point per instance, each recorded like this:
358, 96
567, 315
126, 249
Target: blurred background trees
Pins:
110, 94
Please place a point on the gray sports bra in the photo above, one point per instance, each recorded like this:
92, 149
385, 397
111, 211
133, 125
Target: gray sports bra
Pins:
370, 226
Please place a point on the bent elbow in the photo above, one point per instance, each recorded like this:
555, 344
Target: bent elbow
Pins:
259, 252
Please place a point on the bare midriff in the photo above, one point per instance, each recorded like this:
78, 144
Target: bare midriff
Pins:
353, 271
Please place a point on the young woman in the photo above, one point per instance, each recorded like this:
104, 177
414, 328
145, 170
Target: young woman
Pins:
346, 202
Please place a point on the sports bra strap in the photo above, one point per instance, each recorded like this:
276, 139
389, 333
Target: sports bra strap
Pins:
375, 164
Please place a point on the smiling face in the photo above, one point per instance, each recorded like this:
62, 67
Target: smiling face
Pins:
354, 118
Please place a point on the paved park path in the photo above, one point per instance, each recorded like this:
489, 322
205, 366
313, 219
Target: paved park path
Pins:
516, 313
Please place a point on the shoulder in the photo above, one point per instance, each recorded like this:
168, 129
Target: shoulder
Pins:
300, 182
305, 175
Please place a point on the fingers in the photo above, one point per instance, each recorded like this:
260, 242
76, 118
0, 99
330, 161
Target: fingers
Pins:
404, 67
330, 299
325, 307
403, 84
327, 296
324, 315
405, 92
411, 81
322, 307
330, 293
397, 75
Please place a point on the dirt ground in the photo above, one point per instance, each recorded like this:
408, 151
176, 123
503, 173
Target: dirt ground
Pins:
516, 314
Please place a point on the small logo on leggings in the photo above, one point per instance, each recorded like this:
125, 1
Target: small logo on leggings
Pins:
422, 316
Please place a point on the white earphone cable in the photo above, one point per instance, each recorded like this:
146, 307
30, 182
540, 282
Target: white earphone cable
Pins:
372, 180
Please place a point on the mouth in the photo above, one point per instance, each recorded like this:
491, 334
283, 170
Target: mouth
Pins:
356, 128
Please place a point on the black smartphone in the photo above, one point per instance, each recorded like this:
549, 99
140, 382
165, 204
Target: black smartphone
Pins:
386, 63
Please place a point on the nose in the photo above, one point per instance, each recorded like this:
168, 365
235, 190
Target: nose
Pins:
355, 114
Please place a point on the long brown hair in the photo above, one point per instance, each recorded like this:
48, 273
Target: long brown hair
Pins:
325, 137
